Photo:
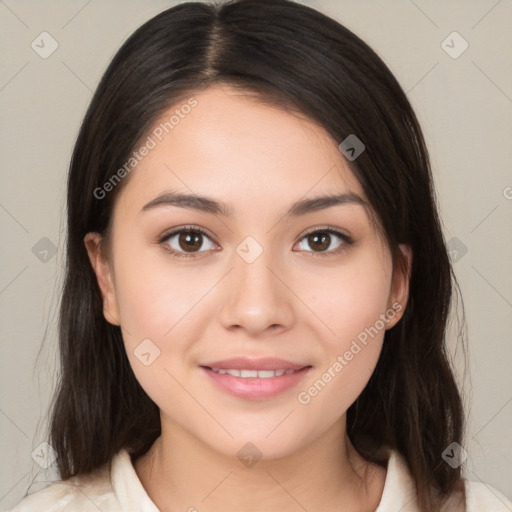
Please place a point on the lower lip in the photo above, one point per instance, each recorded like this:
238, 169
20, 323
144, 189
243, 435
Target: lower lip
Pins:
253, 388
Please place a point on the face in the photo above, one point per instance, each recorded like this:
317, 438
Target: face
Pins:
260, 274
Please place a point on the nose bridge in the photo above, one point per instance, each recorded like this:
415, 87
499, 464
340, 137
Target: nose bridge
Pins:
256, 298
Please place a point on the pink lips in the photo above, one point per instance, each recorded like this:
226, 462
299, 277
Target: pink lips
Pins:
253, 387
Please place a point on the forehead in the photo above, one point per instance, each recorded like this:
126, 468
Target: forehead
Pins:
234, 147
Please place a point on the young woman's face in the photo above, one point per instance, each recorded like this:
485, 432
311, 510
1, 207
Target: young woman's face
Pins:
272, 274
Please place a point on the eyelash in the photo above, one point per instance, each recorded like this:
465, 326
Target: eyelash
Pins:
194, 229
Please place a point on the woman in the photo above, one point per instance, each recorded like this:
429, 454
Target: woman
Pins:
257, 286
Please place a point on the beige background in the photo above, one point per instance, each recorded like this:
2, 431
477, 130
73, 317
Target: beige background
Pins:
464, 105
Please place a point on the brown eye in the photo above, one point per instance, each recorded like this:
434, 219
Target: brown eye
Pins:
187, 242
319, 241
324, 242
190, 241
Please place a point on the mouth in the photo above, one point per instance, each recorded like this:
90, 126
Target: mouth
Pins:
248, 374
255, 379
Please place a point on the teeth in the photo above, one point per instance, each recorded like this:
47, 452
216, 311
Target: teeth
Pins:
260, 374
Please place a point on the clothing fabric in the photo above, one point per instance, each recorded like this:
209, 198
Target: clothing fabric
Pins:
117, 488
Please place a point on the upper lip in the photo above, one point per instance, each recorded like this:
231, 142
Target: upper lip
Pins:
265, 363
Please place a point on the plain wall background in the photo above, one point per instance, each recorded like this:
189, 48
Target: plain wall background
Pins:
464, 105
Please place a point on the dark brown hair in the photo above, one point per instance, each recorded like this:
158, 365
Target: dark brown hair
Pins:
299, 59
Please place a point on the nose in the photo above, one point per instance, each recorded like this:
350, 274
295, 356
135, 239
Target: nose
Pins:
257, 297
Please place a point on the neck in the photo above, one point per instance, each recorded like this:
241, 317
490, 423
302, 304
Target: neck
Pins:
180, 472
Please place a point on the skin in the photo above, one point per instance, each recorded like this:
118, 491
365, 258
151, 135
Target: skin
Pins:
290, 303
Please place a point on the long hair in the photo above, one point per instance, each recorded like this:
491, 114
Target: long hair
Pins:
301, 60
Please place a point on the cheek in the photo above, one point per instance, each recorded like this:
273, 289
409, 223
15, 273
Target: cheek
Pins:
157, 302
165, 303
353, 303
349, 299
155, 295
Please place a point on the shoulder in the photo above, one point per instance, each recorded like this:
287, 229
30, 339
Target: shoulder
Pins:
481, 497
399, 492
82, 493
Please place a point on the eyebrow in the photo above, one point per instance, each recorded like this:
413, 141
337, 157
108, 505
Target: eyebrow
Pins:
209, 205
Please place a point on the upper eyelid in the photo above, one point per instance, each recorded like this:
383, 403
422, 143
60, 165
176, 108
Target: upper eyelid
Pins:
330, 229
175, 231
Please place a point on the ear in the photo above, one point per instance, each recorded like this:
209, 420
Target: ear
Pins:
104, 275
400, 285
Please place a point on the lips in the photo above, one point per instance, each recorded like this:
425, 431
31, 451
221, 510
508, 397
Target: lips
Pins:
255, 379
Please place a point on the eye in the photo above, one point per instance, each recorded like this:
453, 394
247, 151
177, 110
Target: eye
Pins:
325, 241
186, 242
189, 241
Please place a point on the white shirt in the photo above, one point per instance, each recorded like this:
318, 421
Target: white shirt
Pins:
120, 490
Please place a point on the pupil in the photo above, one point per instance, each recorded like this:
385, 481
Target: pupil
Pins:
324, 240
190, 241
